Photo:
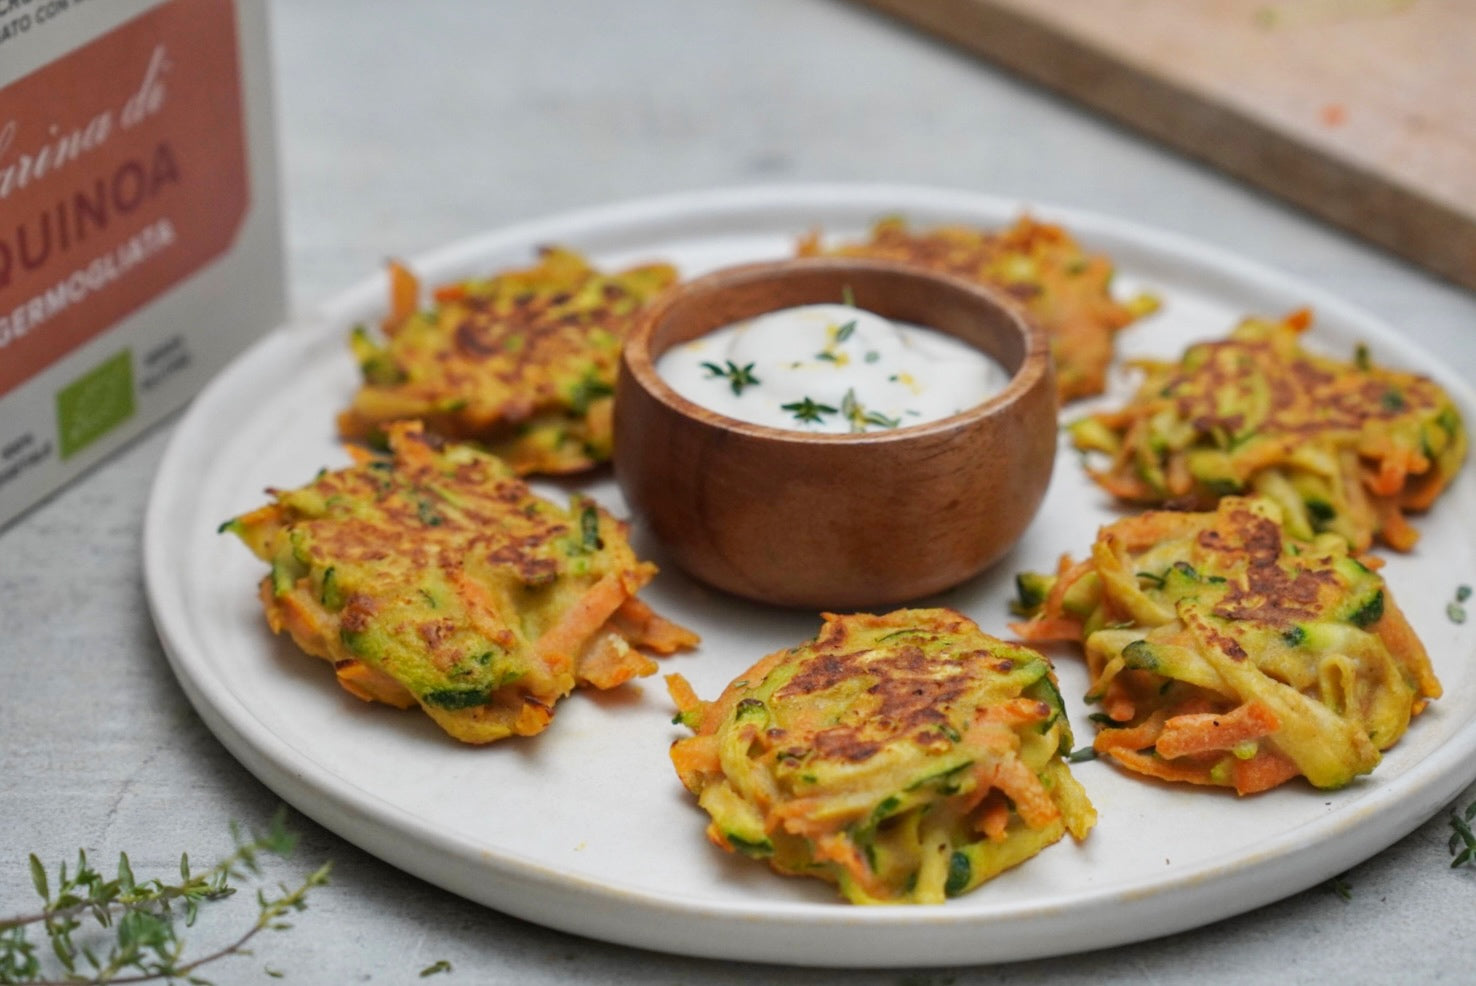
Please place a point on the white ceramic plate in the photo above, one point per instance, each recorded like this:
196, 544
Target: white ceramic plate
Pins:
586, 828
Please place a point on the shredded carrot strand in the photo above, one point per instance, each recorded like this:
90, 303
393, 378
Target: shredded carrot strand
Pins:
1207, 732
1044, 630
583, 619
994, 819
695, 757
372, 685
1177, 770
404, 295
1393, 528
1138, 737
640, 625
1267, 769
609, 662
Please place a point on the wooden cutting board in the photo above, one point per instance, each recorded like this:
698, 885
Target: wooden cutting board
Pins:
1361, 111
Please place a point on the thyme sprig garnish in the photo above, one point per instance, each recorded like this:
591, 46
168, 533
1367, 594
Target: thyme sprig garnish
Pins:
737, 376
807, 411
838, 335
851, 408
855, 412
810, 411
141, 917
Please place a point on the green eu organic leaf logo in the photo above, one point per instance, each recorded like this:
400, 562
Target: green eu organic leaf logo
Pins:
92, 405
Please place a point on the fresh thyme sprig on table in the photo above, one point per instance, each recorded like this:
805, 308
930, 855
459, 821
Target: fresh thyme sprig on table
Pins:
1463, 841
138, 920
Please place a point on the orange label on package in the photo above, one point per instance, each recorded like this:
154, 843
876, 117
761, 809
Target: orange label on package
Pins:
122, 172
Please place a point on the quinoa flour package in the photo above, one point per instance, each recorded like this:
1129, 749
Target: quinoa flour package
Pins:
140, 241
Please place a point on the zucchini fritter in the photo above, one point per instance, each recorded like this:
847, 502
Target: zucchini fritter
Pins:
433, 576
906, 757
522, 362
1225, 652
1342, 447
1064, 288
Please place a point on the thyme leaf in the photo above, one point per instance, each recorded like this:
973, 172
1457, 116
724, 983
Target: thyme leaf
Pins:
737, 376
851, 408
807, 411
1463, 841
881, 420
855, 412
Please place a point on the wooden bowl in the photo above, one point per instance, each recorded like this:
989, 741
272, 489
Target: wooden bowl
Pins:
836, 521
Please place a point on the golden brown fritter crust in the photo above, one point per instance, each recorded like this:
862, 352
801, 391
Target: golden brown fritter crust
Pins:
1345, 447
906, 757
523, 362
434, 577
1226, 653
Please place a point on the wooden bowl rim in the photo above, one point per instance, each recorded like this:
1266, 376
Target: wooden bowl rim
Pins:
1033, 372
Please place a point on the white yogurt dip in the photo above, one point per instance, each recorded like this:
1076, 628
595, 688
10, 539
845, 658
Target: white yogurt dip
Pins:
831, 368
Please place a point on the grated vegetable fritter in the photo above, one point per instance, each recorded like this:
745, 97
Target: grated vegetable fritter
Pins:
522, 362
906, 758
1225, 652
1342, 447
433, 577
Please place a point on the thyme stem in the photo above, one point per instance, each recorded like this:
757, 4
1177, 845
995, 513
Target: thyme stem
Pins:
141, 917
